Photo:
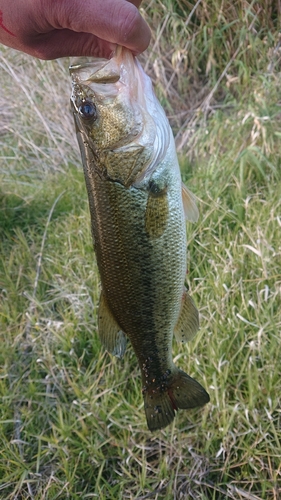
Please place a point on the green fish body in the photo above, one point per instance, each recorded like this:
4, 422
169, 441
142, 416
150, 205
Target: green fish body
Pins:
138, 208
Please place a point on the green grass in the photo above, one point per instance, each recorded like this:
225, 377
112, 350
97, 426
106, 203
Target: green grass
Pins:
72, 422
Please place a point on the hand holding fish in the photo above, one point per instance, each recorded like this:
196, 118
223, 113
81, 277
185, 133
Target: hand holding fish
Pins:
53, 29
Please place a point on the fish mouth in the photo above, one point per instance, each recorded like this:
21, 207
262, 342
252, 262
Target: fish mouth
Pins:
107, 77
103, 71
95, 71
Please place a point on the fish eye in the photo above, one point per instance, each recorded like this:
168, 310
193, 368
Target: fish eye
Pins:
88, 110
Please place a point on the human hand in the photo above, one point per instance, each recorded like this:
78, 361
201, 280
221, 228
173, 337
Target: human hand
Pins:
49, 29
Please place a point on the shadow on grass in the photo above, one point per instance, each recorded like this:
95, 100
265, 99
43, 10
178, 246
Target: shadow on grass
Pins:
28, 206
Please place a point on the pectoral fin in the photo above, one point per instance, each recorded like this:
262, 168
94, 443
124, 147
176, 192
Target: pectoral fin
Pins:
188, 322
112, 337
157, 208
189, 204
156, 215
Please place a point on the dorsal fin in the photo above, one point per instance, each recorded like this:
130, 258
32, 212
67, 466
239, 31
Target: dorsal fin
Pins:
189, 204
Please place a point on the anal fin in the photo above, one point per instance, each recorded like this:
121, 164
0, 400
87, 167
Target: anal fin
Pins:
111, 335
188, 321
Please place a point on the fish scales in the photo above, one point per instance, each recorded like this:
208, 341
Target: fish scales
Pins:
138, 226
133, 282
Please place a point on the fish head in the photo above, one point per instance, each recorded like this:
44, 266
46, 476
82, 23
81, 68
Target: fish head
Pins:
102, 105
114, 110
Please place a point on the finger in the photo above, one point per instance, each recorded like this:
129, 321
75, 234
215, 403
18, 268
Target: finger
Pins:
66, 43
116, 21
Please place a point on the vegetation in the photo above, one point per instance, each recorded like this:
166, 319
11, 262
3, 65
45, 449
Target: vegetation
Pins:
72, 423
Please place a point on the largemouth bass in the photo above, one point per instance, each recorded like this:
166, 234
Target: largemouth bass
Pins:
138, 208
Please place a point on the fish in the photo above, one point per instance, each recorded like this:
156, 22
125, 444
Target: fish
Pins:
138, 207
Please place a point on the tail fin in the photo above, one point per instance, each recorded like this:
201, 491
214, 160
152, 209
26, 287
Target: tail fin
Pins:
182, 391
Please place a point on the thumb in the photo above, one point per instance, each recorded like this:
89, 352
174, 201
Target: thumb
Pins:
115, 21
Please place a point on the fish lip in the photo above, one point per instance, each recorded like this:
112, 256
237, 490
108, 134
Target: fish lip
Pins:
80, 63
98, 72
